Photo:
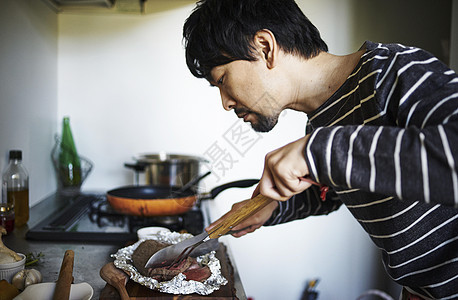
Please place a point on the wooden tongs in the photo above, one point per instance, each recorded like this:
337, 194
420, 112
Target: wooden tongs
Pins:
206, 241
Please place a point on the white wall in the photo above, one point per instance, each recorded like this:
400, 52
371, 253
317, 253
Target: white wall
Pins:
28, 89
123, 81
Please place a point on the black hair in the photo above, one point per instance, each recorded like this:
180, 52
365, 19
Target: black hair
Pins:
220, 31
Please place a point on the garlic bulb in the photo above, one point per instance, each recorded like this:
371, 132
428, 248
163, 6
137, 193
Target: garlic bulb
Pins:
26, 277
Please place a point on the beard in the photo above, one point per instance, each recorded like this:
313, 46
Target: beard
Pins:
262, 123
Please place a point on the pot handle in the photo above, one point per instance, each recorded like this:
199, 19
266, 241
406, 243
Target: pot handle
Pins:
238, 183
137, 167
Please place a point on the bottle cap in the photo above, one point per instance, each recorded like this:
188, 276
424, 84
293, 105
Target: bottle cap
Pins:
15, 154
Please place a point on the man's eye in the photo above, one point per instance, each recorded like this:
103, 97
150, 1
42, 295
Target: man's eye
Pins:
220, 80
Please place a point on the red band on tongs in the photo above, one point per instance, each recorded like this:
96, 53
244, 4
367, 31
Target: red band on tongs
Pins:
323, 188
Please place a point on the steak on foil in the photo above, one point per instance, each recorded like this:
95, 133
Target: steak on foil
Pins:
189, 267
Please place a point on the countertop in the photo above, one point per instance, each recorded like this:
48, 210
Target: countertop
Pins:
89, 257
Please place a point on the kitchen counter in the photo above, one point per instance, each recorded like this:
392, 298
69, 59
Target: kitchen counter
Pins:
89, 257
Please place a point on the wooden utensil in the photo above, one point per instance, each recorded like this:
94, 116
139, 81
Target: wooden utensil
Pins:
205, 241
64, 282
247, 210
115, 277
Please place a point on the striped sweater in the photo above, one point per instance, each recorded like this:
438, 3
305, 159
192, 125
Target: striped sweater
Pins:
386, 143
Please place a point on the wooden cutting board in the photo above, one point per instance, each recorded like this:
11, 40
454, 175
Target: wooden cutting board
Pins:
137, 291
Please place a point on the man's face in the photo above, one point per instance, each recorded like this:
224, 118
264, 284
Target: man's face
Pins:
244, 86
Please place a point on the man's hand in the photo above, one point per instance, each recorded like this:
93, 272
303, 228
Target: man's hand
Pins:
281, 179
250, 224
283, 170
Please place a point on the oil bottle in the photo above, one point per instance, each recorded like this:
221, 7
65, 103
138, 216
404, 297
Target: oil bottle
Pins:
16, 182
6, 211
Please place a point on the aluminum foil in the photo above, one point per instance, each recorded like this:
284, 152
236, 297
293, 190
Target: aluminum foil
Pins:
178, 284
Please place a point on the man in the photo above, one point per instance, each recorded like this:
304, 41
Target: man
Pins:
382, 131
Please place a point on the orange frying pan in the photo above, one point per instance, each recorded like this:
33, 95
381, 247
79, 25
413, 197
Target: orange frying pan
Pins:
148, 201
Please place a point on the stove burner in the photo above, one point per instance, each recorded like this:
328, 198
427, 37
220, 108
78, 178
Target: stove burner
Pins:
174, 223
90, 217
167, 220
103, 214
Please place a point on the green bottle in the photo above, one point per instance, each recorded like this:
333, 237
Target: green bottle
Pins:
69, 161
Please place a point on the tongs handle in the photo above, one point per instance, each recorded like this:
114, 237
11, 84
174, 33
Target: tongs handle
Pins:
247, 210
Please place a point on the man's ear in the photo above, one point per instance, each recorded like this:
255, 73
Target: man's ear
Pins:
266, 46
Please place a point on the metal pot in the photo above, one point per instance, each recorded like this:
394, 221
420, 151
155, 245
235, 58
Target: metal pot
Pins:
166, 170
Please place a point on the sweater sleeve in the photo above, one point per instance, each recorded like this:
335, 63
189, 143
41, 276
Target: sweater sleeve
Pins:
303, 205
412, 156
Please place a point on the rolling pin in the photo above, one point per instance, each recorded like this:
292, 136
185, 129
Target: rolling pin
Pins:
64, 282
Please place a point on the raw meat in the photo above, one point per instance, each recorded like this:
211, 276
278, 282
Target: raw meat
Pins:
196, 272
189, 267
144, 252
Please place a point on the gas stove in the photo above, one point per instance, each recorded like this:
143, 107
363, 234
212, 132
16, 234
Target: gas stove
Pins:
90, 218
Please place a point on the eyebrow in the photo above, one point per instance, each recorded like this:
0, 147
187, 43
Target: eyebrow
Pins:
210, 80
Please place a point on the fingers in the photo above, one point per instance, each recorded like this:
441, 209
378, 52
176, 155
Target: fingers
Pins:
255, 192
254, 222
217, 222
249, 225
275, 183
241, 232
281, 192
283, 170
232, 211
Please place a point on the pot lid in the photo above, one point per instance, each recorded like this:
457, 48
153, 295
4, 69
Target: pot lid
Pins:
168, 157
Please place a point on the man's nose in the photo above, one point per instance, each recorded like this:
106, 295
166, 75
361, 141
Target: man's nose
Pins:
228, 103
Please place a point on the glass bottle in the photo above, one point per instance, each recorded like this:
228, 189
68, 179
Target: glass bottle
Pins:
16, 181
69, 161
6, 211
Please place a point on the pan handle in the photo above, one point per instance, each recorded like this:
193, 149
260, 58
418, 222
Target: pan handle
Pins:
238, 183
